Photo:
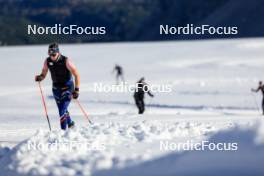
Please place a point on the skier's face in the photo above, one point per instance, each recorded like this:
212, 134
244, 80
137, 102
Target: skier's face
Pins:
54, 56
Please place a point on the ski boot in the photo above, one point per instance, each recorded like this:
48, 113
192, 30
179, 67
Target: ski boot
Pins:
71, 125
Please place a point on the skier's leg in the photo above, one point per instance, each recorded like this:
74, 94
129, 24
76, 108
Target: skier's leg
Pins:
137, 102
140, 107
141, 101
117, 79
63, 99
65, 118
57, 93
143, 106
63, 114
122, 77
65, 102
63, 121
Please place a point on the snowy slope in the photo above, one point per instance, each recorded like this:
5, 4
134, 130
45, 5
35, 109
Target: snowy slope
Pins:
140, 151
245, 161
211, 92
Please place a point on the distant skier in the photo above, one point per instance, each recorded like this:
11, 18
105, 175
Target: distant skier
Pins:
141, 89
119, 74
63, 87
260, 88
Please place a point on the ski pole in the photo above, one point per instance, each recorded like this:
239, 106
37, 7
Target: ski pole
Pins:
44, 105
83, 111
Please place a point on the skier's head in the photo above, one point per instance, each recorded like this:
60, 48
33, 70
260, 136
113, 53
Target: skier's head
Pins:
260, 83
53, 51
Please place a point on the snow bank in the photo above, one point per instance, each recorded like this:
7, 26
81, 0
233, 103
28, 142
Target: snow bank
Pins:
110, 145
247, 160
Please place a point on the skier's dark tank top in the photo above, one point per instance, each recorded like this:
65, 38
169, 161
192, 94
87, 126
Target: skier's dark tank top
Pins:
60, 74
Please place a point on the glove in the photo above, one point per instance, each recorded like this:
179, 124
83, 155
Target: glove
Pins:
75, 93
39, 78
151, 95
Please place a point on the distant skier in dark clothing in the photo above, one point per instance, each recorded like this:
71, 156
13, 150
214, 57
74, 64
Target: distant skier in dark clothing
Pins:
141, 89
260, 88
63, 86
119, 74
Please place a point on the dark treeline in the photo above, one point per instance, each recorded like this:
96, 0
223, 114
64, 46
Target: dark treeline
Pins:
125, 20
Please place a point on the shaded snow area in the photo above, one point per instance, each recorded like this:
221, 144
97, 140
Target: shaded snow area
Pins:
135, 149
247, 160
210, 104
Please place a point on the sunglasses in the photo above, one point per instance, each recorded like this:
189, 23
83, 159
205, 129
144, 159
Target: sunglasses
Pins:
53, 51
52, 55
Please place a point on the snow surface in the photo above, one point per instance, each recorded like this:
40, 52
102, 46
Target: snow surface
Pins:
211, 100
246, 161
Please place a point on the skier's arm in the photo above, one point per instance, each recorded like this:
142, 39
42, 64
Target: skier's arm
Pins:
75, 73
150, 94
255, 90
45, 69
43, 72
148, 91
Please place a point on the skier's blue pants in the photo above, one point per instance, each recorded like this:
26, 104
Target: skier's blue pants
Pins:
63, 98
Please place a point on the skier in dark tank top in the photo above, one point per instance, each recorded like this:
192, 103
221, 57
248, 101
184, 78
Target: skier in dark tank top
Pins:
64, 88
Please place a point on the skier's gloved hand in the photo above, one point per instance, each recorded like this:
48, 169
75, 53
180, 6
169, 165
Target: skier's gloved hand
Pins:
39, 78
75, 93
151, 95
